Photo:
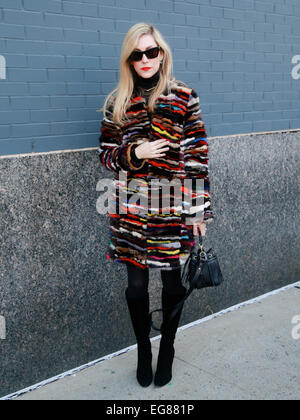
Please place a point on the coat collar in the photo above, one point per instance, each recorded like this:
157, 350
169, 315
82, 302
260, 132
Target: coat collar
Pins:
174, 88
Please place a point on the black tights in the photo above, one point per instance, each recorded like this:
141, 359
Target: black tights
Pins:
138, 281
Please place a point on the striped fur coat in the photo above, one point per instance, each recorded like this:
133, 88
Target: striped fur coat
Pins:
145, 230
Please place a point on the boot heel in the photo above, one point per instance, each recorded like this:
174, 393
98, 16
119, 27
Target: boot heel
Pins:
139, 314
163, 373
144, 373
166, 353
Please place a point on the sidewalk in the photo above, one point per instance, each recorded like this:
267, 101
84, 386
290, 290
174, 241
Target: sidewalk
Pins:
245, 353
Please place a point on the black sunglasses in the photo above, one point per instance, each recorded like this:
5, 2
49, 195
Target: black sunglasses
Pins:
138, 55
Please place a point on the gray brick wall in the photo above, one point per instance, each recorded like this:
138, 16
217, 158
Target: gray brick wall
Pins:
61, 59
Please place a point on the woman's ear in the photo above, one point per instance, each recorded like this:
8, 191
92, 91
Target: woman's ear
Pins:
161, 55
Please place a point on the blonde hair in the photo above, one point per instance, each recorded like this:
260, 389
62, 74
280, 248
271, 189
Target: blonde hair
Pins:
122, 94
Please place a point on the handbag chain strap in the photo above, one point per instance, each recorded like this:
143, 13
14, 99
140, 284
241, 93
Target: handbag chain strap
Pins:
177, 307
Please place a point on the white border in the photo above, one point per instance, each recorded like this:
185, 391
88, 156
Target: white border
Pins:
125, 350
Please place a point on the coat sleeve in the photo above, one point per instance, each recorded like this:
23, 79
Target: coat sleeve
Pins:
195, 149
113, 153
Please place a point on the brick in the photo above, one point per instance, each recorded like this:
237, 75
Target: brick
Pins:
179, 42
5, 131
66, 101
27, 75
264, 6
262, 126
221, 23
74, 35
222, 3
252, 116
44, 33
45, 61
222, 87
233, 35
79, 9
233, 117
223, 66
25, 46
66, 75
9, 147
64, 48
10, 117
16, 60
295, 123
186, 8
82, 62
12, 31
100, 76
33, 102
197, 21
110, 63
83, 114
111, 38
48, 115
244, 4
221, 107
163, 5
242, 106
22, 17
73, 141
63, 21
208, 11
26, 130
133, 4
211, 76
198, 65
233, 76
144, 15
47, 88
13, 88
67, 127
222, 44
263, 27
43, 6
97, 23
11, 4
280, 125
83, 88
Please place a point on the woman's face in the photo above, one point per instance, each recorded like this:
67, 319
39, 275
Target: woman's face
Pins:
147, 67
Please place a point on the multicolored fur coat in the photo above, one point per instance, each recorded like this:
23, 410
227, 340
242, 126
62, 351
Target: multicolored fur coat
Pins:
148, 232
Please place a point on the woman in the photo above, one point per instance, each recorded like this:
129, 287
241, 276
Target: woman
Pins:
153, 131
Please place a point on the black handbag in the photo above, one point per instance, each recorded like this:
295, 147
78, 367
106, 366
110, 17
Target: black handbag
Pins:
200, 270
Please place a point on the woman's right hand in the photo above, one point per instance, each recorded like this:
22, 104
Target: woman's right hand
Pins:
152, 150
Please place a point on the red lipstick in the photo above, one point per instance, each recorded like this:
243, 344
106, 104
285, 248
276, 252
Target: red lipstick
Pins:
146, 68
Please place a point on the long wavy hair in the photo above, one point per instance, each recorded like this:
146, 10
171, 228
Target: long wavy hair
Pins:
122, 94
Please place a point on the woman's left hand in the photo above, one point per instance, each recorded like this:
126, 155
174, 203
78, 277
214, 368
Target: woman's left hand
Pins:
199, 227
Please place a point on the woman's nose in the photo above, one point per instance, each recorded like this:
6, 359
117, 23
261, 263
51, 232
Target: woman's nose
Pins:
145, 59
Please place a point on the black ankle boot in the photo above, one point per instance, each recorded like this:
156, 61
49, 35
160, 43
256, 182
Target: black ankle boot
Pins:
139, 313
166, 353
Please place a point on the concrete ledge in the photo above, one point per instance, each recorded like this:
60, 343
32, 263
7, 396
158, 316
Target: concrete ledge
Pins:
63, 302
